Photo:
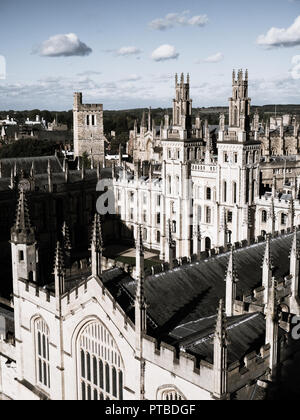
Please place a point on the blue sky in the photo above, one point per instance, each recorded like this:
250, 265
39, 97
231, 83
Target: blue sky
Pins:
124, 53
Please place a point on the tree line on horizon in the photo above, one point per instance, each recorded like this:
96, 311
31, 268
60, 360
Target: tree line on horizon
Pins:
118, 121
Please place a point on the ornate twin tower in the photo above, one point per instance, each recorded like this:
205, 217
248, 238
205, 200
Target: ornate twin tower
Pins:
182, 104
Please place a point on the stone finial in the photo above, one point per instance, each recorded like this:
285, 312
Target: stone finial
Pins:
220, 354
267, 270
22, 232
97, 238
231, 280
59, 271
139, 241
221, 327
267, 254
272, 328
66, 237
97, 246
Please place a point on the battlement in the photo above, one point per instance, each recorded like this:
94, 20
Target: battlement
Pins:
37, 294
72, 300
182, 365
80, 106
279, 201
253, 366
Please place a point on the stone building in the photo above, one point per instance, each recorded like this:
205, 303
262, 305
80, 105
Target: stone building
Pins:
58, 194
204, 188
88, 129
105, 336
210, 182
145, 144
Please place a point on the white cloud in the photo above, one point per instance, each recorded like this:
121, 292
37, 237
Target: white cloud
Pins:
280, 37
67, 45
200, 20
216, 58
89, 73
128, 51
178, 19
165, 52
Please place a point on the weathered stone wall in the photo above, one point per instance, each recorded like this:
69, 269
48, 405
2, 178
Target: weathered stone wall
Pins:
88, 129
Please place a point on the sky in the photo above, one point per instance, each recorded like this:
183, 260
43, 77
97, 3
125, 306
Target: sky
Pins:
125, 53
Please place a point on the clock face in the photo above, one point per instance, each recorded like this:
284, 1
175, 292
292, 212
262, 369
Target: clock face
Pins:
24, 185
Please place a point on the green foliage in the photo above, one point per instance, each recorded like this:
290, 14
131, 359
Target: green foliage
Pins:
28, 148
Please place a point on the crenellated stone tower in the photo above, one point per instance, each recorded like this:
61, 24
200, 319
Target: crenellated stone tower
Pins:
182, 104
88, 129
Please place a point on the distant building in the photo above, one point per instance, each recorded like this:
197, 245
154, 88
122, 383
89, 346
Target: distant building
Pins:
88, 129
208, 183
8, 121
37, 122
56, 126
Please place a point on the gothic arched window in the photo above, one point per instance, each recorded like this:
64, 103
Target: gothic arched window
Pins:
208, 193
42, 353
264, 216
170, 393
225, 191
234, 189
284, 219
100, 366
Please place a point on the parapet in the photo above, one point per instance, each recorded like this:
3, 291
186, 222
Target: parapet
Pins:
80, 106
182, 364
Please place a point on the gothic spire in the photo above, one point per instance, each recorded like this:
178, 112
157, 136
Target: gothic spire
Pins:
59, 264
231, 280
295, 244
97, 239
267, 270
221, 330
59, 271
22, 219
272, 327
22, 231
220, 355
97, 246
66, 237
139, 241
267, 255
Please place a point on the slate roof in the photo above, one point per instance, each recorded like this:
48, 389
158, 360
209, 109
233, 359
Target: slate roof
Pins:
188, 296
246, 333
